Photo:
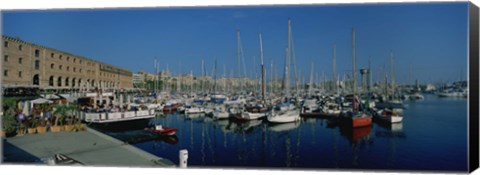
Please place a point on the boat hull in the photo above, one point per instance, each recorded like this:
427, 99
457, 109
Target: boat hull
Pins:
251, 116
290, 116
361, 122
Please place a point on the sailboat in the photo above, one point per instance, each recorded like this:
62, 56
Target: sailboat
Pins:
259, 110
354, 117
290, 114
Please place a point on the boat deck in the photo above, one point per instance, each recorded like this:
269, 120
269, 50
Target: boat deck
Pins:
90, 147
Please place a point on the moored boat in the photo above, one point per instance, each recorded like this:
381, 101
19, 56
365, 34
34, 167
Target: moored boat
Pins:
164, 131
284, 116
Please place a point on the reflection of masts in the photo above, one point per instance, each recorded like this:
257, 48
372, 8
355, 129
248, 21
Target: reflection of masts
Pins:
264, 145
210, 145
335, 148
289, 155
297, 146
202, 150
191, 134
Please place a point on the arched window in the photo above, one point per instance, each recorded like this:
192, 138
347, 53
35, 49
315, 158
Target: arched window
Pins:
50, 81
79, 82
66, 81
36, 79
52, 66
73, 82
59, 82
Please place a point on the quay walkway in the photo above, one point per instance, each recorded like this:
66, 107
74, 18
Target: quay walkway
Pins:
90, 147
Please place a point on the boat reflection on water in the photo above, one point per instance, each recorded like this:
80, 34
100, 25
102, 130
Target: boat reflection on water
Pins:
390, 130
354, 135
194, 116
170, 139
121, 126
248, 126
283, 126
140, 136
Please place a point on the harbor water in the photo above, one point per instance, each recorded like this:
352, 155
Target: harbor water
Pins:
432, 137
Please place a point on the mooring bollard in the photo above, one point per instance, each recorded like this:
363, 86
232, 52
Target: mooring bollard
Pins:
183, 158
51, 161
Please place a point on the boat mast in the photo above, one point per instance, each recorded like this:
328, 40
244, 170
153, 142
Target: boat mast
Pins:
287, 74
369, 75
392, 74
203, 75
224, 79
262, 68
353, 66
271, 77
291, 53
334, 67
154, 78
310, 87
215, 77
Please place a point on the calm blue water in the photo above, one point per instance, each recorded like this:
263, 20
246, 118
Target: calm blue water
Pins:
433, 136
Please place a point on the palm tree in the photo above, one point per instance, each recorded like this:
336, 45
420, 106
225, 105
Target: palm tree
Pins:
60, 111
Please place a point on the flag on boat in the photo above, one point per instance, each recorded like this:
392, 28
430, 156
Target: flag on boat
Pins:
356, 103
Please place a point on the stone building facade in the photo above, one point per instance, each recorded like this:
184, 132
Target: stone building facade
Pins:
26, 64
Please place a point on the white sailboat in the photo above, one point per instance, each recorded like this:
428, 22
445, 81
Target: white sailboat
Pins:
220, 112
289, 114
284, 116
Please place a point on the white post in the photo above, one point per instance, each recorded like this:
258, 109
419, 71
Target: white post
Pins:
51, 161
183, 158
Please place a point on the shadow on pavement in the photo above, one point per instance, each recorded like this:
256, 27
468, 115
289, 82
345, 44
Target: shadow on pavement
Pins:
15, 155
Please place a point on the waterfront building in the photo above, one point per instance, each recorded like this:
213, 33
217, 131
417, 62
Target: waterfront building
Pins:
138, 79
26, 64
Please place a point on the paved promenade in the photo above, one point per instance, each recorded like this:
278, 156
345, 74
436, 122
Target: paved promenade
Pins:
90, 147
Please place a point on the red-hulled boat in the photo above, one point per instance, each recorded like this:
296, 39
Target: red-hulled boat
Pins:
164, 131
357, 119
361, 121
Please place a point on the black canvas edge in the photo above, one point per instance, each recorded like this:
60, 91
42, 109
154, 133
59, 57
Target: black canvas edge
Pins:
473, 121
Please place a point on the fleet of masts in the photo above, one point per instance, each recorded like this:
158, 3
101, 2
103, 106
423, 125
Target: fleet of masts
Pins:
267, 95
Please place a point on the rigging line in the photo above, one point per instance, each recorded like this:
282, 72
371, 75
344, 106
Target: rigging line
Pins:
294, 63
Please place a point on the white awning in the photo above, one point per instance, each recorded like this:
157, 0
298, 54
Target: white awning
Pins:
40, 101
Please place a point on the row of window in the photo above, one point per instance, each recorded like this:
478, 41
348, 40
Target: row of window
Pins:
5, 59
90, 83
52, 55
60, 67
5, 73
60, 57
107, 75
6, 44
52, 66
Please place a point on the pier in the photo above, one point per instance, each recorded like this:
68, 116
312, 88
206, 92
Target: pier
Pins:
90, 147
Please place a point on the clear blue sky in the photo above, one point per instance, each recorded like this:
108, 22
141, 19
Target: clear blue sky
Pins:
431, 38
